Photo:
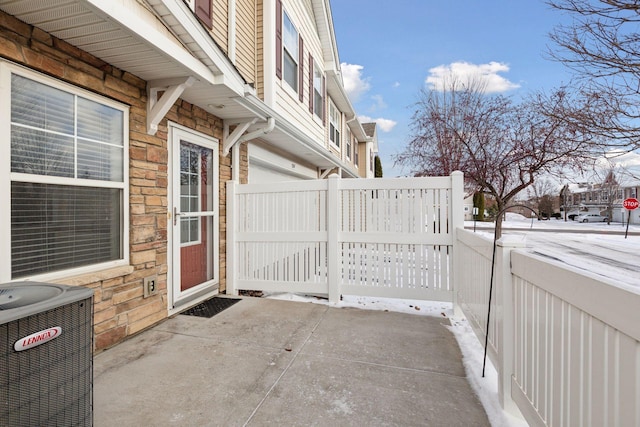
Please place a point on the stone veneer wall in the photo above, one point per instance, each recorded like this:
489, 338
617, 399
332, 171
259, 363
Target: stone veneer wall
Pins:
119, 307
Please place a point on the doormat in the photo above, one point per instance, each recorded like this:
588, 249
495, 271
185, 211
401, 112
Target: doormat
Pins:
211, 307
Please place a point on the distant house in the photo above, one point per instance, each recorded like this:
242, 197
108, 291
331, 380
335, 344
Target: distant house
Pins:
602, 198
125, 121
368, 151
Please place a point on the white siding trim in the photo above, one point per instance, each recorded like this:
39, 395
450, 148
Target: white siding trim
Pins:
269, 51
232, 30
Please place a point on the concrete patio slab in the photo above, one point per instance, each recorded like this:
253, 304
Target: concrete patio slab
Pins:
268, 362
413, 342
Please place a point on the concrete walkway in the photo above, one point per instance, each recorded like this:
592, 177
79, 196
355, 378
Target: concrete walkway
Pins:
281, 363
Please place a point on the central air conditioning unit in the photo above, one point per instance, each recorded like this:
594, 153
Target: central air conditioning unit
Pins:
46, 355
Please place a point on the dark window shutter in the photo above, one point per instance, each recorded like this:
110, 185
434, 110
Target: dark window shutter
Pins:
203, 12
300, 69
279, 39
311, 94
324, 102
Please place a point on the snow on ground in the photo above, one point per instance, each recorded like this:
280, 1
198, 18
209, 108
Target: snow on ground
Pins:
607, 256
472, 350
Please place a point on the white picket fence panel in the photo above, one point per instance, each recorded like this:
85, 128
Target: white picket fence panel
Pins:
566, 345
371, 237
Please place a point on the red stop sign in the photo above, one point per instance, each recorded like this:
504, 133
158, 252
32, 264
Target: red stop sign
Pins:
630, 203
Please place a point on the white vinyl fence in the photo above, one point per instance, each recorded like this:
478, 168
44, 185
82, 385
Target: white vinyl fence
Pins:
372, 237
566, 345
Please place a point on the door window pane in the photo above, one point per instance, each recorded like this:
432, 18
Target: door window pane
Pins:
196, 169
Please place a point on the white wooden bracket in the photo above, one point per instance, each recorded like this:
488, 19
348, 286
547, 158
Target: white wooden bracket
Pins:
325, 172
158, 108
241, 127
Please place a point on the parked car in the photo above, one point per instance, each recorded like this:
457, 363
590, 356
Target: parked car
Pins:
572, 214
591, 217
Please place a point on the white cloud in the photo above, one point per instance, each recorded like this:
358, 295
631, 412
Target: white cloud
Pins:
379, 103
396, 84
354, 83
385, 125
467, 73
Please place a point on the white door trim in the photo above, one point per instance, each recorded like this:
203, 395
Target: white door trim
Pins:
176, 299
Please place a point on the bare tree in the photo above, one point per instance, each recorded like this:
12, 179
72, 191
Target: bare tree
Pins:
602, 46
540, 194
610, 194
611, 179
501, 147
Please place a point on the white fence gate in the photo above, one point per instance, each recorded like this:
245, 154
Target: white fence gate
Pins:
370, 237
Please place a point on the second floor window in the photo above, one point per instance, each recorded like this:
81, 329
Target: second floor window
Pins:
355, 154
348, 144
334, 125
318, 91
290, 52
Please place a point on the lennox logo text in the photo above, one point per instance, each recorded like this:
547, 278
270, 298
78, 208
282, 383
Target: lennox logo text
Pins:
38, 338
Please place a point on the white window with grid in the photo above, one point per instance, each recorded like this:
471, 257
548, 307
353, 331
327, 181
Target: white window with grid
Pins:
334, 125
356, 155
65, 207
290, 53
318, 93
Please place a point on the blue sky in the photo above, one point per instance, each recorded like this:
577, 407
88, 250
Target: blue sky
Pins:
389, 52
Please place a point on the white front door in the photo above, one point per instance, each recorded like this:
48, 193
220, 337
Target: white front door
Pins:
194, 219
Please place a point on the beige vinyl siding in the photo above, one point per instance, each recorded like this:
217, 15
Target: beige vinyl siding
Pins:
260, 49
246, 39
220, 31
287, 101
362, 159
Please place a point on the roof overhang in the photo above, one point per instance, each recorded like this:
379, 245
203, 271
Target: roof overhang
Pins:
163, 43
324, 25
305, 148
338, 95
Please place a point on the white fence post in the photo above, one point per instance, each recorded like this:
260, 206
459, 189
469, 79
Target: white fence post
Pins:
333, 217
456, 204
505, 319
232, 250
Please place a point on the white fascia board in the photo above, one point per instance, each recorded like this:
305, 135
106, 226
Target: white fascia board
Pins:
357, 129
338, 94
228, 75
126, 13
324, 20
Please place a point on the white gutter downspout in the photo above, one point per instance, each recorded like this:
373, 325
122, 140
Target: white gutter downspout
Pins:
235, 156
